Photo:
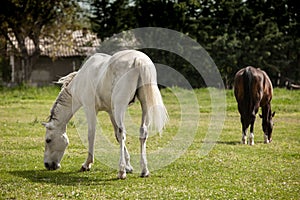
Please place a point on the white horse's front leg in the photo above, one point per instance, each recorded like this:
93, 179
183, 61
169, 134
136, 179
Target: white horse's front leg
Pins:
129, 168
91, 118
143, 162
86, 166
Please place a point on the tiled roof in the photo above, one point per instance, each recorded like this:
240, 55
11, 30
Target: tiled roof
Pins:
76, 43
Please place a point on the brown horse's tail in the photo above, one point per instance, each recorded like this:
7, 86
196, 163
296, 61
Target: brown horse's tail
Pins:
248, 100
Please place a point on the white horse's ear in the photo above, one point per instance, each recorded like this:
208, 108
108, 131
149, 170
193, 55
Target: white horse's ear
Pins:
47, 125
57, 83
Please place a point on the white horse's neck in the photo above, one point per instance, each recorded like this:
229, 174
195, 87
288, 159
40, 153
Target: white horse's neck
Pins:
62, 110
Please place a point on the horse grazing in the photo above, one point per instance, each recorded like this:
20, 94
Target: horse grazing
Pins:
253, 89
106, 83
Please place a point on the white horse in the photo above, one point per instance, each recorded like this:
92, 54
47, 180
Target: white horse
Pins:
106, 83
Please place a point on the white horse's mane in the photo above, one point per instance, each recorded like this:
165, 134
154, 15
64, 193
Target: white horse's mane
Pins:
63, 95
66, 80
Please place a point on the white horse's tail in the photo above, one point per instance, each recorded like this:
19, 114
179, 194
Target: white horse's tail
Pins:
150, 97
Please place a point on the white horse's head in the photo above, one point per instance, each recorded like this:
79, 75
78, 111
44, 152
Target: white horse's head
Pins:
56, 142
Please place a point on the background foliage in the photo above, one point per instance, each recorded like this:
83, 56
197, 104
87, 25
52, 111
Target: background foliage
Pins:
236, 33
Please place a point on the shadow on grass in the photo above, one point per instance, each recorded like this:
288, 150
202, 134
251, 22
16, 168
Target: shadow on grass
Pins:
64, 178
223, 142
236, 142
229, 142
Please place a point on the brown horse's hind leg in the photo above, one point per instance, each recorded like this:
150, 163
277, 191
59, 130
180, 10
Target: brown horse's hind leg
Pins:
244, 131
251, 135
244, 136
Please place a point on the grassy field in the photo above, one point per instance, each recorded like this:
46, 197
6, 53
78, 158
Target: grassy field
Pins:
229, 171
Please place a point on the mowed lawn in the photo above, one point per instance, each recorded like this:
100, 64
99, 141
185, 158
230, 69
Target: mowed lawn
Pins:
229, 171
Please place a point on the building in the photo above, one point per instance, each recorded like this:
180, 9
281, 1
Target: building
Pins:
56, 58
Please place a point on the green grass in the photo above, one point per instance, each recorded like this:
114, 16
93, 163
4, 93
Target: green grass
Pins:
229, 171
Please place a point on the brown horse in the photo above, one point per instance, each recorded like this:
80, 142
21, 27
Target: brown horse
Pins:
253, 89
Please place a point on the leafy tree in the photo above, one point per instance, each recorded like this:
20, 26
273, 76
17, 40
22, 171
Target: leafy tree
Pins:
110, 17
22, 19
261, 33
277, 36
236, 33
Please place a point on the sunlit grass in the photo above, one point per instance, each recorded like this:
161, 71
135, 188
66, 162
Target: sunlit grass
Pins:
229, 171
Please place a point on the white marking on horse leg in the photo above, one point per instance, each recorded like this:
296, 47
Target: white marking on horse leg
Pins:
251, 139
122, 163
244, 137
143, 162
266, 140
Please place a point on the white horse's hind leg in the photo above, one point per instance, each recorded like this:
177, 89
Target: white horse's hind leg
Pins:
122, 164
118, 116
129, 168
123, 92
143, 162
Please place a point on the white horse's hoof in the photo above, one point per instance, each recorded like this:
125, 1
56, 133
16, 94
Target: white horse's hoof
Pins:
145, 174
122, 175
129, 169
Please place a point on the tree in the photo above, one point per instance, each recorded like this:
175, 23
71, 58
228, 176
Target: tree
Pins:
277, 33
111, 17
236, 33
21, 20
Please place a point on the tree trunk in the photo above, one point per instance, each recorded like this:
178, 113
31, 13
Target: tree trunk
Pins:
27, 60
